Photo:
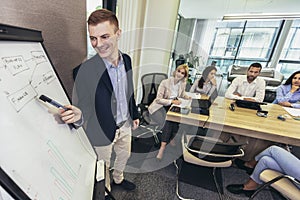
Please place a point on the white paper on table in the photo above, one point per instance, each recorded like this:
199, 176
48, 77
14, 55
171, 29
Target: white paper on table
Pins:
184, 103
292, 111
193, 95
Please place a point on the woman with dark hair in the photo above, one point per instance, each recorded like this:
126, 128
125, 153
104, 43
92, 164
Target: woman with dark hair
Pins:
288, 94
207, 83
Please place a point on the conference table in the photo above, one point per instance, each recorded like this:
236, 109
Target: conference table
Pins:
243, 121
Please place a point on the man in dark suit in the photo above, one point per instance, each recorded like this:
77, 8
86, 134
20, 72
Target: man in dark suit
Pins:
105, 97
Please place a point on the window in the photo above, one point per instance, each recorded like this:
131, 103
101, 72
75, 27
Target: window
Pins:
244, 42
91, 6
258, 40
226, 40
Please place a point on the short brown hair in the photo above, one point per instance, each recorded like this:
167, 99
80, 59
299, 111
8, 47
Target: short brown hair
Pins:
103, 15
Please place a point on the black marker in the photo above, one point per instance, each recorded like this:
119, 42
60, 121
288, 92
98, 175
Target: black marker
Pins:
52, 102
56, 104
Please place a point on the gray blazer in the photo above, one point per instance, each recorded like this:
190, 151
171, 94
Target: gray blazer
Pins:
95, 97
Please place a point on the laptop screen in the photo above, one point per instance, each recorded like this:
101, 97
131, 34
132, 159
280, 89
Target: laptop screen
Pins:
201, 106
213, 96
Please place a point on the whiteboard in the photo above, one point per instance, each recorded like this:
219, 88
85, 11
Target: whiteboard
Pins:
4, 195
42, 155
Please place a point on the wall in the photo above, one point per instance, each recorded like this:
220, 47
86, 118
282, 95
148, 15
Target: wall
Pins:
204, 34
148, 33
184, 36
131, 15
63, 25
160, 21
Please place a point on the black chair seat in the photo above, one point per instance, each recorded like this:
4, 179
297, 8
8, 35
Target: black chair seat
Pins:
213, 150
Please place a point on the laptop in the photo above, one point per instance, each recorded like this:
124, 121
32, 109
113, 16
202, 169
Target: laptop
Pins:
249, 104
201, 106
205, 102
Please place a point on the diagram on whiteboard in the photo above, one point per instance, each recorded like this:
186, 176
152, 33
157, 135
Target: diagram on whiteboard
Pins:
47, 159
14, 66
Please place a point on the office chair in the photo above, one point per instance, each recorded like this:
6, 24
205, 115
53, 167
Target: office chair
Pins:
284, 184
150, 83
206, 155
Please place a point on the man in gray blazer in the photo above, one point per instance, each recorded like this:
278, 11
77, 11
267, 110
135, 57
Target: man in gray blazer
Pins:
105, 97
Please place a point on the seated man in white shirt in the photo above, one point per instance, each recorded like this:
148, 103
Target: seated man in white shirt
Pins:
248, 87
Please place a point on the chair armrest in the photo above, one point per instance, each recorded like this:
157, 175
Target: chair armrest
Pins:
241, 153
294, 180
271, 177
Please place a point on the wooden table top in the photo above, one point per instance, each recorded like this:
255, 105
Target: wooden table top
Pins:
190, 119
245, 122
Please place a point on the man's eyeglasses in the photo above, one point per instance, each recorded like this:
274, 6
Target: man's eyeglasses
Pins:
183, 73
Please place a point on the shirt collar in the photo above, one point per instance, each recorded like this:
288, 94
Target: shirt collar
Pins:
110, 65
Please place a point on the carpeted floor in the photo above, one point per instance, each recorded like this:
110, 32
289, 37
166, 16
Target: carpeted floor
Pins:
157, 179
161, 185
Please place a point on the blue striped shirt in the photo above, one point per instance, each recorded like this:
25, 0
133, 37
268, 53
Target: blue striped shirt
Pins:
118, 79
283, 94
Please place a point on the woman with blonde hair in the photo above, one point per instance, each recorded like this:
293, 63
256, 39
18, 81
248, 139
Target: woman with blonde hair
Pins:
169, 92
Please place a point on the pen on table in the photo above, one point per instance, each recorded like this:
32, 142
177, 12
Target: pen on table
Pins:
54, 103
280, 117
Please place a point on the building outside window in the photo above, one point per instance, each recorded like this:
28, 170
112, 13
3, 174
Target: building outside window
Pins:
244, 42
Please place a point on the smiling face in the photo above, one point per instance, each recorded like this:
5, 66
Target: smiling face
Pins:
104, 38
296, 80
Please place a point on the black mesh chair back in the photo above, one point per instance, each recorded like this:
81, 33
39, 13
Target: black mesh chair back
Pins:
150, 83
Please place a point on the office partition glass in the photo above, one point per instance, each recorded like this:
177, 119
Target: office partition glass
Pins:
289, 61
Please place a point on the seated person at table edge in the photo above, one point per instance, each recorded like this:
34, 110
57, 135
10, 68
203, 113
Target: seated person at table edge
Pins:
168, 93
274, 158
248, 87
207, 83
288, 94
